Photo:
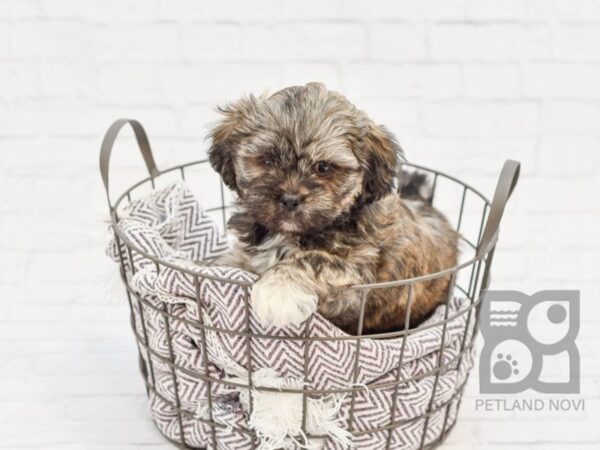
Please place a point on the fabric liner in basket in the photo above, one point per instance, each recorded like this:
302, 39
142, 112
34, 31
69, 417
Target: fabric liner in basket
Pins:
170, 225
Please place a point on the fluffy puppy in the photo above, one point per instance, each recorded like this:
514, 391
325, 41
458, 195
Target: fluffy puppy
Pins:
317, 212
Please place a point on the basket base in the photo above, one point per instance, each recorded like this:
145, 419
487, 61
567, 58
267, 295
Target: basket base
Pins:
433, 445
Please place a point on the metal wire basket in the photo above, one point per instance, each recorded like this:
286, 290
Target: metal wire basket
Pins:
469, 279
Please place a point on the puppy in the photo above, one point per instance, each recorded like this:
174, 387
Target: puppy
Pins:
317, 212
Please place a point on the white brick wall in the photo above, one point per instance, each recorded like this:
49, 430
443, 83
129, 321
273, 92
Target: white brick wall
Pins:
464, 84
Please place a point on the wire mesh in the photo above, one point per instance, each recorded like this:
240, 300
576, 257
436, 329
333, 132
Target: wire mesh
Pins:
467, 279
141, 304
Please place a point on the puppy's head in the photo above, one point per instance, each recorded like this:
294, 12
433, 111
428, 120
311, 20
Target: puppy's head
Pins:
302, 157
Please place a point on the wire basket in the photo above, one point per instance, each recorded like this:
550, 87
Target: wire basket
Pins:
468, 279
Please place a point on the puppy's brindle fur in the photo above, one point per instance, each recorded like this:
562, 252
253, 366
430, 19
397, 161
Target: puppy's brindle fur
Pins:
314, 179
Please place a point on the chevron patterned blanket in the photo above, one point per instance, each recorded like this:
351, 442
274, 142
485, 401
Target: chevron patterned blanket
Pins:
170, 225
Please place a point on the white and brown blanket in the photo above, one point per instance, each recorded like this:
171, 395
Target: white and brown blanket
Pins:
170, 225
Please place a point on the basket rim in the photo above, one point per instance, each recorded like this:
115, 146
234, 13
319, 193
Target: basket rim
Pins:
120, 236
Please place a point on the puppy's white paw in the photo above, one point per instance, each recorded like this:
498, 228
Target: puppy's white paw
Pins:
279, 298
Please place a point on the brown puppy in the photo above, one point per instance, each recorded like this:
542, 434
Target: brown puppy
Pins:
314, 178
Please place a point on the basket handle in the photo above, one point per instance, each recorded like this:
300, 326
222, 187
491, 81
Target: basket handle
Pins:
506, 184
107, 146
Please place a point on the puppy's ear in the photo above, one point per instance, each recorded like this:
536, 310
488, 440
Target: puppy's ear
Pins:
383, 155
227, 134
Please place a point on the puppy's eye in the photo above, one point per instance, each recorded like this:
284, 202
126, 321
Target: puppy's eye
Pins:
322, 168
268, 161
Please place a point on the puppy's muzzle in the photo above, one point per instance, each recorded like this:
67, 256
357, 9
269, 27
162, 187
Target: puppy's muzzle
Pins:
290, 201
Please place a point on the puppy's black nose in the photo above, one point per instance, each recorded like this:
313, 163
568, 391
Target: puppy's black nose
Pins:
290, 201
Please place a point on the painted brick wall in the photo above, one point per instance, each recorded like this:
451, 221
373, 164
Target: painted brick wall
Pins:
463, 84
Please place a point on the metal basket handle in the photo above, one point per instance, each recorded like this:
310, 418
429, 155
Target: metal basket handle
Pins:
506, 184
107, 146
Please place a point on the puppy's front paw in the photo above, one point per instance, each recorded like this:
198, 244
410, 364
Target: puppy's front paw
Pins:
280, 298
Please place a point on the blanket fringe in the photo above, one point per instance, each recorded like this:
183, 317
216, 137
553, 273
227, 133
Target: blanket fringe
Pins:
277, 417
